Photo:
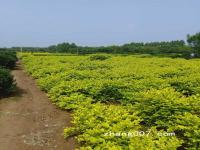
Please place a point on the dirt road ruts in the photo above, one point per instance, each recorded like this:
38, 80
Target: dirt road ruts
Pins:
29, 121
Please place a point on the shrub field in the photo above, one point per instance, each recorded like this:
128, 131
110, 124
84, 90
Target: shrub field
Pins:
124, 102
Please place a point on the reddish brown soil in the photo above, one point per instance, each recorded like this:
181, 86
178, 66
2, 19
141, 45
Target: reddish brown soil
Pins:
29, 121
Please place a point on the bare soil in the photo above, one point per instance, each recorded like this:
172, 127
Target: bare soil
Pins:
29, 121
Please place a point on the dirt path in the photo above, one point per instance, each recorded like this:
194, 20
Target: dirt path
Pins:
29, 121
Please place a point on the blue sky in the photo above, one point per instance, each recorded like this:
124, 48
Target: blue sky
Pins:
96, 22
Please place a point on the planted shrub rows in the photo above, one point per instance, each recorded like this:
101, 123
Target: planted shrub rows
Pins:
124, 94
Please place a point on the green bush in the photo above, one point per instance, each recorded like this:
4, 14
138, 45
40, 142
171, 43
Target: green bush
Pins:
98, 57
7, 83
94, 130
109, 93
8, 59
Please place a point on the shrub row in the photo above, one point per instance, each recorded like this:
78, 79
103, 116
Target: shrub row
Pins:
7, 83
8, 59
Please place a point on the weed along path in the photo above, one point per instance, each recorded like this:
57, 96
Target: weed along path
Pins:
29, 121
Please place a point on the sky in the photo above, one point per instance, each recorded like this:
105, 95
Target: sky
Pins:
42, 23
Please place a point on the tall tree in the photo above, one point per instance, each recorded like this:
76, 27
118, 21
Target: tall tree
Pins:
194, 42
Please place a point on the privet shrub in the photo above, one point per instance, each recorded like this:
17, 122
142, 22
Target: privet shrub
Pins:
99, 57
8, 59
109, 93
7, 83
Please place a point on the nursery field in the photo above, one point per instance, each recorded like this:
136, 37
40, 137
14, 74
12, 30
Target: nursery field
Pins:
123, 102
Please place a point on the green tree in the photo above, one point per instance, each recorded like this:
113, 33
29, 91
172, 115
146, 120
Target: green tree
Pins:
194, 42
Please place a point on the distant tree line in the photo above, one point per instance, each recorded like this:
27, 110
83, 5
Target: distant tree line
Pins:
131, 48
178, 47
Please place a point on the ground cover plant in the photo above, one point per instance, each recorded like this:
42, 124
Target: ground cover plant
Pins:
124, 102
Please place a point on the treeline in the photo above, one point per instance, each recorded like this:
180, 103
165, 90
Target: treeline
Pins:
178, 47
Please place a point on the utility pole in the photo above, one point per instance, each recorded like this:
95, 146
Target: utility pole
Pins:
77, 51
21, 50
